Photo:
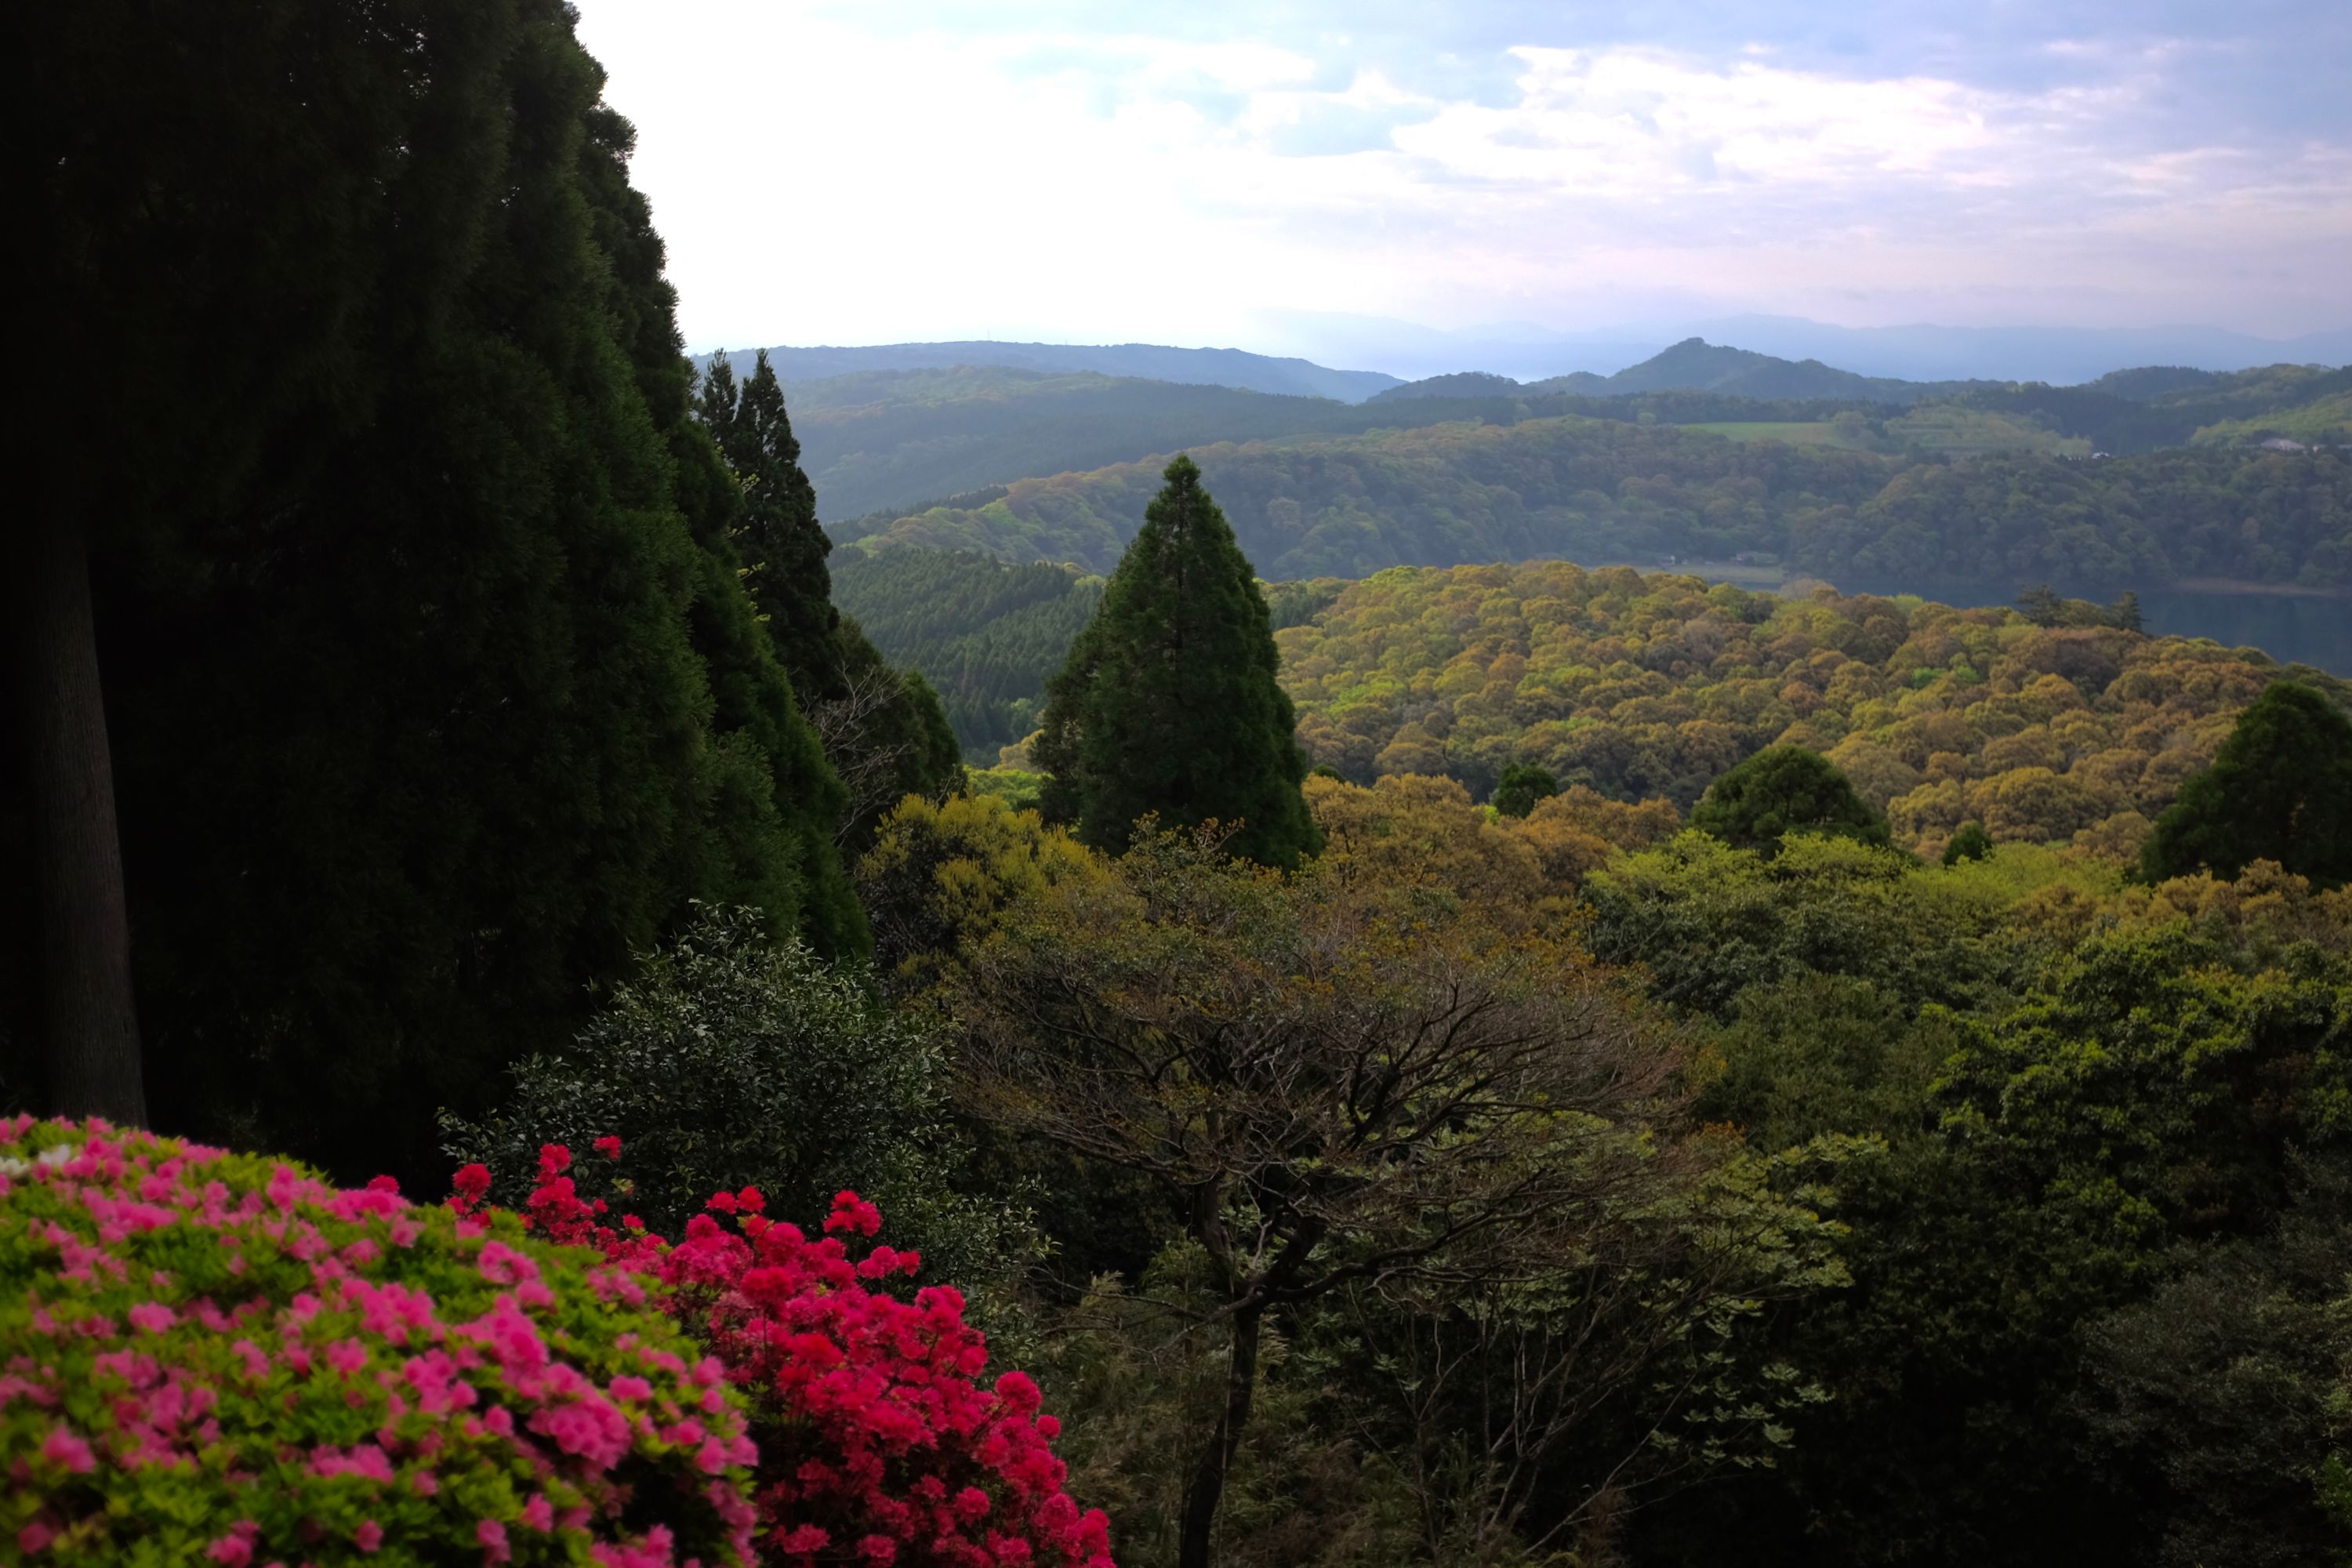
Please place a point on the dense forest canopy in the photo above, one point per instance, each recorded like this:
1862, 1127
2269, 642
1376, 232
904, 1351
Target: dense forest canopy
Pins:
1651, 685
1604, 491
1642, 685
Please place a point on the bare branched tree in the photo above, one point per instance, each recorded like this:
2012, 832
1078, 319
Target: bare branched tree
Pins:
867, 749
1338, 1092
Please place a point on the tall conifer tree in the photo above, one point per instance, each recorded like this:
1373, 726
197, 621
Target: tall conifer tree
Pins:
431, 685
782, 544
1168, 702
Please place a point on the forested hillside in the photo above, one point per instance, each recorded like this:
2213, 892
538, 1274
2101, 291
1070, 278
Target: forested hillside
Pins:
1602, 490
2141, 411
1155, 362
884, 442
895, 439
2126, 411
1653, 686
886, 439
985, 633
2323, 419
1696, 364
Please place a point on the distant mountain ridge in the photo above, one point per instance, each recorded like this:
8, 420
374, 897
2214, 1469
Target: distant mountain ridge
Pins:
2134, 409
2062, 356
899, 440
1151, 362
1696, 365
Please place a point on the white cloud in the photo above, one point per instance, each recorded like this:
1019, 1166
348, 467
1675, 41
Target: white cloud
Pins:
818, 181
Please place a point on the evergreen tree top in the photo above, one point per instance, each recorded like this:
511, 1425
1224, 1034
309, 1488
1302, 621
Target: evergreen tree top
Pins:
2280, 789
1169, 704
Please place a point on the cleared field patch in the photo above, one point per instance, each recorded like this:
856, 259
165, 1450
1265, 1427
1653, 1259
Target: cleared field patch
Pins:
1934, 428
1817, 434
1963, 432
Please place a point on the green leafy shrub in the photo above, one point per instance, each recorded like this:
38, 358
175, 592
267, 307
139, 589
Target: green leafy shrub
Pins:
220, 1359
733, 1061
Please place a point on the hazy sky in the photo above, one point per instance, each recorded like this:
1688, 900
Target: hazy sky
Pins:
888, 171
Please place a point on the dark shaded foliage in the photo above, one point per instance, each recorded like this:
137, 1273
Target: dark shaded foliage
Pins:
1168, 705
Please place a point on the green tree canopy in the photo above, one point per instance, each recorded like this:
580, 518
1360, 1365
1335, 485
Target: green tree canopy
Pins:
1783, 790
1168, 704
1970, 842
1522, 786
2279, 789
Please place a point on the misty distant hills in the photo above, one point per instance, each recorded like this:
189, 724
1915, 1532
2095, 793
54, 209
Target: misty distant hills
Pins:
2063, 356
1698, 365
889, 440
2133, 410
1151, 362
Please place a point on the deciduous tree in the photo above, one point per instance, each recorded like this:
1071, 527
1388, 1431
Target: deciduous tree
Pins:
1330, 1093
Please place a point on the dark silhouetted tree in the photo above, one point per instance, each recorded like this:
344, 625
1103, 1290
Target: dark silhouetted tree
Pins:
1783, 790
2279, 789
1168, 704
431, 687
782, 545
1970, 842
1522, 786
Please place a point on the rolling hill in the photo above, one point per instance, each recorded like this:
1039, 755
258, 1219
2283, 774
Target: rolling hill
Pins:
879, 439
897, 440
2124, 410
1155, 362
1606, 490
1651, 685
986, 634
1698, 365
1646, 685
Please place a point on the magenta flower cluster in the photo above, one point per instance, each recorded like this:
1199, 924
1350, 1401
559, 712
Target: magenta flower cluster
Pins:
879, 1442
218, 1360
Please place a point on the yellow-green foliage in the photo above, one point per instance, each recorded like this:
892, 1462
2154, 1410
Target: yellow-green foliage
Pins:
2323, 419
944, 872
1646, 686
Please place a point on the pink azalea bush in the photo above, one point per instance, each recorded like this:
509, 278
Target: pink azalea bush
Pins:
878, 1442
217, 1359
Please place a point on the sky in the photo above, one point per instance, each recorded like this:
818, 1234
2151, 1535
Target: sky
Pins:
1197, 173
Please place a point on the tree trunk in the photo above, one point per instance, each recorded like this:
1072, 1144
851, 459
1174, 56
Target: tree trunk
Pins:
89, 1059
1208, 1487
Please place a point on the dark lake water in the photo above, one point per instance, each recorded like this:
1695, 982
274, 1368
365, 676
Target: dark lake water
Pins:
2291, 628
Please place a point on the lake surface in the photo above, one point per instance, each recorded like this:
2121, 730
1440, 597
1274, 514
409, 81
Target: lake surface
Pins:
2291, 628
